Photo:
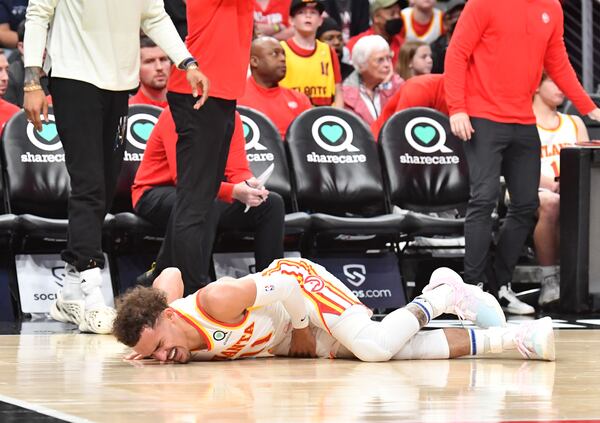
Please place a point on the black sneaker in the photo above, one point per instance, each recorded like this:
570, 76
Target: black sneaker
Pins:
147, 278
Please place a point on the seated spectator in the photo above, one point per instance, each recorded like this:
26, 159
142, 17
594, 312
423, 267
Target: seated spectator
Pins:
153, 197
263, 93
387, 21
439, 46
415, 59
422, 21
351, 15
556, 131
369, 87
312, 66
419, 91
7, 110
155, 68
12, 13
271, 18
330, 33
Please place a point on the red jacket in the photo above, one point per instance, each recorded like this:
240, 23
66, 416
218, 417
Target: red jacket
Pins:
159, 165
418, 91
495, 59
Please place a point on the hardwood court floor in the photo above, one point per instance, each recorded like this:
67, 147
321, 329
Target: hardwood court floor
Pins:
82, 377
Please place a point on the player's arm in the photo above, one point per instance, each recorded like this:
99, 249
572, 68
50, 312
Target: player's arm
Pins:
582, 132
171, 283
227, 299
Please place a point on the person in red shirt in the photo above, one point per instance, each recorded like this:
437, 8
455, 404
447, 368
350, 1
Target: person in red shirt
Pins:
418, 91
263, 93
7, 110
493, 67
219, 37
271, 17
153, 196
387, 22
155, 68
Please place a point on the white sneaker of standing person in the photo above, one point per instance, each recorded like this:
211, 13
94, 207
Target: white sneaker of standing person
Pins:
69, 306
511, 304
550, 290
98, 317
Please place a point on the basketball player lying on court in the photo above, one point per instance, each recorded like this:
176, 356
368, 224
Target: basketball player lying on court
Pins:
297, 308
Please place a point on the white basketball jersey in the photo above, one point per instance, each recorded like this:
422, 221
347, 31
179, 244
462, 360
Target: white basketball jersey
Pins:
432, 34
553, 140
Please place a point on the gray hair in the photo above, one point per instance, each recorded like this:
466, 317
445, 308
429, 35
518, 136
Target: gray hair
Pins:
366, 46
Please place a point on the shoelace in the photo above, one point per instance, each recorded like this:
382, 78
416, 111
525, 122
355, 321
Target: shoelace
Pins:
522, 335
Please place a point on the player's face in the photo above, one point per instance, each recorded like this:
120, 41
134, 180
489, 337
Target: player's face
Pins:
379, 65
272, 60
154, 68
165, 342
335, 40
307, 19
422, 62
550, 93
424, 4
3, 74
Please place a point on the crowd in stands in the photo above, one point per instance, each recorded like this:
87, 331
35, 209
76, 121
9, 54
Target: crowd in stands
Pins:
373, 58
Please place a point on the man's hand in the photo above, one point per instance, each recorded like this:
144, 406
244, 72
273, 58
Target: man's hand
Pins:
460, 124
595, 114
133, 356
250, 193
35, 104
303, 344
198, 81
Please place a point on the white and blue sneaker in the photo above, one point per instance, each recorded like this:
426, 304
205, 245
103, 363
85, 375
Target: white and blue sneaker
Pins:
468, 302
535, 340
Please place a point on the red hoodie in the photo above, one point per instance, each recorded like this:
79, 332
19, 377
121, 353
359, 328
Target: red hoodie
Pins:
495, 59
159, 165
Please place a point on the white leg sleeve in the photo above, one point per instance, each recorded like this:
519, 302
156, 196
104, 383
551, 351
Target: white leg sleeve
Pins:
369, 340
425, 345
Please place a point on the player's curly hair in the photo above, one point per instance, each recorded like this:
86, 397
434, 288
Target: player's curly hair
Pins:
138, 308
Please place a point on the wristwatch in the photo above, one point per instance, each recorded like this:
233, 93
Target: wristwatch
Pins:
189, 63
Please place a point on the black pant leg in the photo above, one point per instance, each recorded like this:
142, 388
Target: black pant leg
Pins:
521, 169
484, 158
203, 139
156, 205
80, 111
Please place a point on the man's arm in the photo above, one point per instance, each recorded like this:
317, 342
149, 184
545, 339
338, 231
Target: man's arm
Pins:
171, 283
8, 37
558, 67
582, 132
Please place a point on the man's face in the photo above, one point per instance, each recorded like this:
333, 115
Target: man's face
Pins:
269, 60
155, 68
307, 19
381, 16
3, 75
424, 4
335, 40
550, 93
166, 341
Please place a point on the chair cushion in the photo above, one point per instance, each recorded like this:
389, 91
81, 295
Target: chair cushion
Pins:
384, 224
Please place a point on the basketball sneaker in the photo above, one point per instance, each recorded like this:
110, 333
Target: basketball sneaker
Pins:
511, 304
535, 339
69, 305
98, 317
99, 320
550, 291
466, 301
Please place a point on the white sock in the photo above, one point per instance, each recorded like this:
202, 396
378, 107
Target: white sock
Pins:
493, 340
71, 289
91, 280
427, 345
550, 271
438, 298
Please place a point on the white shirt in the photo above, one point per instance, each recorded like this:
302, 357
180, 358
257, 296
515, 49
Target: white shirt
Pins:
97, 41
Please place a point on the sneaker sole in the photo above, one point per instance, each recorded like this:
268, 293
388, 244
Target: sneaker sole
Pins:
547, 351
60, 315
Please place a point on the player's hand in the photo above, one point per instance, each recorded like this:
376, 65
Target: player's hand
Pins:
303, 344
133, 356
35, 104
250, 193
199, 82
595, 114
460, 124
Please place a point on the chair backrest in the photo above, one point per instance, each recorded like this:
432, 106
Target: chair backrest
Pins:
593, 126
140, 122
264, 147
334, 162
37, 180
425, 166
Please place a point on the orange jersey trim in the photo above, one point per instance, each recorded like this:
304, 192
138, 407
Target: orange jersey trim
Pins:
262, 340
196, 325
250, 354
208, 317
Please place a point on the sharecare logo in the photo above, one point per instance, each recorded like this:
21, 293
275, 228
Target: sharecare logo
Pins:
252, 137
334, 134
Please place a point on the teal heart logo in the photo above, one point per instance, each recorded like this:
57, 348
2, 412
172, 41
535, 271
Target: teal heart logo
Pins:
143, 129
425, 134
332, 133
246, 130
48, 132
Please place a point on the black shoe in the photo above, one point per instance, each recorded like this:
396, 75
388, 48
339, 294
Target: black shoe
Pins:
147, 278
